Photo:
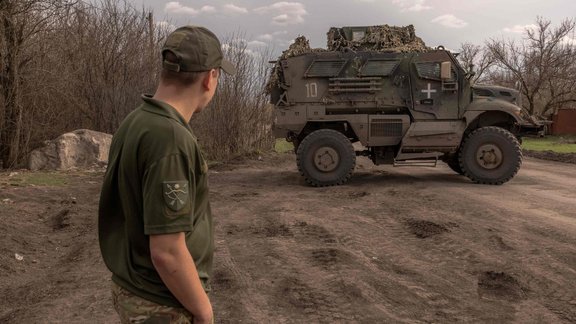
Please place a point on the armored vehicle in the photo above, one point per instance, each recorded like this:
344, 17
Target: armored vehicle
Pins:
404, 108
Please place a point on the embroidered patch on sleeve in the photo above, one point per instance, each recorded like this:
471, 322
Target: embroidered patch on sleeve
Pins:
175, 194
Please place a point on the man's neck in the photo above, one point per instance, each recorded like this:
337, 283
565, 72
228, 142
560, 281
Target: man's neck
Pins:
185, 104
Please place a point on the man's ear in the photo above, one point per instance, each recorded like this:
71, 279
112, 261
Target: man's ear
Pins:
207, 81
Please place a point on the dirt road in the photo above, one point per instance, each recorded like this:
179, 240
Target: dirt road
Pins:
395, 245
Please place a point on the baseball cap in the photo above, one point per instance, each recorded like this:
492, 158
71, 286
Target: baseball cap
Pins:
197, 49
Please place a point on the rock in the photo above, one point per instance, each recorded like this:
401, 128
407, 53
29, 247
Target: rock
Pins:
18, 257
79, 149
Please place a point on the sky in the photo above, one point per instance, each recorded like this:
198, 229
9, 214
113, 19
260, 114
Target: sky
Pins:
275, 24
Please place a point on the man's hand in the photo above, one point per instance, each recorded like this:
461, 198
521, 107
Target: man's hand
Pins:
176, 267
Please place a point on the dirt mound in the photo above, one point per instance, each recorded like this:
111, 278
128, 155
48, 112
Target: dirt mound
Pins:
552, 156
49, 257
424, 228
499, 285
377, 38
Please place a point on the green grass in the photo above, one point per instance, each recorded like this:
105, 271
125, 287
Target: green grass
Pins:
28, 178
283, 146
558, 144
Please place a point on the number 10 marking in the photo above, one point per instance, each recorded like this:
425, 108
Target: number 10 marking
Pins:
311, 90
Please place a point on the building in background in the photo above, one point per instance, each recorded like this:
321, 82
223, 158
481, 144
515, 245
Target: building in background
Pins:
564, 122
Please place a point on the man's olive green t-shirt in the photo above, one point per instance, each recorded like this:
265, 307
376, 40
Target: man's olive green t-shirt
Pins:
156, 183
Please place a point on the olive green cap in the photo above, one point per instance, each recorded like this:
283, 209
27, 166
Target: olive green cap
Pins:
197, 50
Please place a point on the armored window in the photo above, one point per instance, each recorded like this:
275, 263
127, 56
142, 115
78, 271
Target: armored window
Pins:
505, 94
379, 67
431, 70
325, 68
428, 70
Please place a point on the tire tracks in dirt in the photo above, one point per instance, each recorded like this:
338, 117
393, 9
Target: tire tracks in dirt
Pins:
397, 245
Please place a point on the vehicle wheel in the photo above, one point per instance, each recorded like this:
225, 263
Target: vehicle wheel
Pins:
326, 158
490, 155
454, 164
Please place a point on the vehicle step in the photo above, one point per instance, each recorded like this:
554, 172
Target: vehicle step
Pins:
419, 163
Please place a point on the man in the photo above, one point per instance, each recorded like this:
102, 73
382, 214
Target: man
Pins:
155, 224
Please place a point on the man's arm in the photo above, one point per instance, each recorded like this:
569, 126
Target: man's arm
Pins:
176, 267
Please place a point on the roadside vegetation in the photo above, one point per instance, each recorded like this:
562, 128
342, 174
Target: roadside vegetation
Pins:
283, 146
557, 144
39, 178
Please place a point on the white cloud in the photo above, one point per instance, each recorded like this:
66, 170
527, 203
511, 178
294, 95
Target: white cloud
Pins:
164, 25
269, 37
234, 9
412, 5
177, 8
285, 13
239, 49
256, 43
520, 29
207, 9
238, 43
450, 21
283, 19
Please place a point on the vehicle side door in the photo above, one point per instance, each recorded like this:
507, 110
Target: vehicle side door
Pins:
433, 96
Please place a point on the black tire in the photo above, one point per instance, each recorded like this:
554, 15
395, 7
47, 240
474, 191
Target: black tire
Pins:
326, 158
454, 164
490, 155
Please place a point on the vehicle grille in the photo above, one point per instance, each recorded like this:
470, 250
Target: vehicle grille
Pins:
386, 128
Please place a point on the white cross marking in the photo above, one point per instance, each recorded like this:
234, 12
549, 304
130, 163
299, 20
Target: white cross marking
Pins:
429, 91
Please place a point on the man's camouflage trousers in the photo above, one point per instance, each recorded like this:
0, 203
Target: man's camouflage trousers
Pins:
136, 310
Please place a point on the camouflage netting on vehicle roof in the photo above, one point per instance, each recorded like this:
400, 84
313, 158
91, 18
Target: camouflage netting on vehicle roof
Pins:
300, 46
378, 38
382, 38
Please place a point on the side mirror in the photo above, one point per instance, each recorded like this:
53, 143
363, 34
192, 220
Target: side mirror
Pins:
446, 70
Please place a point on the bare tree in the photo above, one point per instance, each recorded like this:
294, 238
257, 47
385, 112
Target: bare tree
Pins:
477, 59
542, 65
239, 119
67, 65
113, 52
21, 21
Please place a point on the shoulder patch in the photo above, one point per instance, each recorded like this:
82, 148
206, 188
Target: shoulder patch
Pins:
175, 194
